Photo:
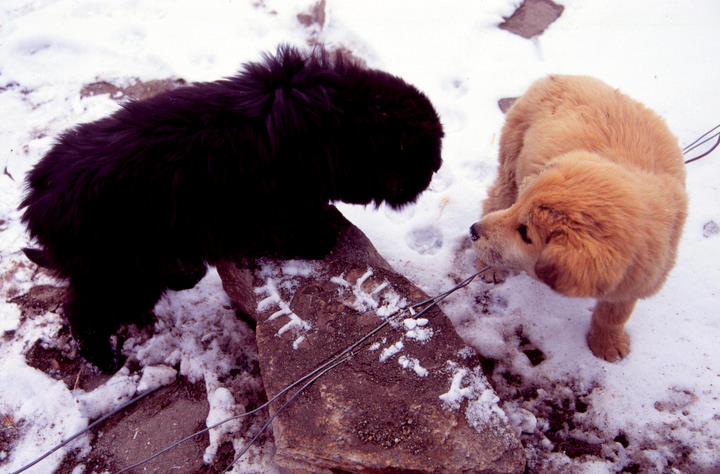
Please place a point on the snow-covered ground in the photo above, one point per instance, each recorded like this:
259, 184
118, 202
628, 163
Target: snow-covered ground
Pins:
655, 411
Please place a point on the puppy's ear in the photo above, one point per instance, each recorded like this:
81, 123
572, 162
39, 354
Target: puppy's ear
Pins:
546, 270
575, 263
553, 265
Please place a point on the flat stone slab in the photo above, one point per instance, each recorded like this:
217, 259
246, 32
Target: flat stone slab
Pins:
412, 398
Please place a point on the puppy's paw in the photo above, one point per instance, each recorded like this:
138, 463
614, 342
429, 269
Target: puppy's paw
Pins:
491, 275
609, 345
101, 355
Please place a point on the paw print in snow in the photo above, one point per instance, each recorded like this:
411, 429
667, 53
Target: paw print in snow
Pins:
426, 240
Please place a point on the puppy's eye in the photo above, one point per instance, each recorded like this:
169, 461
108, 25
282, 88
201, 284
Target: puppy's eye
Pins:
523, 231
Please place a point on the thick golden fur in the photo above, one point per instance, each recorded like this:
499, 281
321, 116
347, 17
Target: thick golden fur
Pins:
590, 199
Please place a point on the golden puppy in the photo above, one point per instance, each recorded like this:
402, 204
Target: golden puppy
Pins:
590, 199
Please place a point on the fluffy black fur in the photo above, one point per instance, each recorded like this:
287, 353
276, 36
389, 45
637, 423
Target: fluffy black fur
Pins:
138, 202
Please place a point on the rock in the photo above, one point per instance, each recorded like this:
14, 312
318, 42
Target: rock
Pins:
532, 18
237, 282
136, 90
39, 300
314, 16
412, 398
505, 103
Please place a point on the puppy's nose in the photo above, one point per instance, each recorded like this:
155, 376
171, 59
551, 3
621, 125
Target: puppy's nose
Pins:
474, 233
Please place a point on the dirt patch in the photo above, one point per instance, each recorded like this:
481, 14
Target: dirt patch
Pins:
74, 372
137, 90
10, 429
314, 19
11, 274
149, 426
314, 16
39, 300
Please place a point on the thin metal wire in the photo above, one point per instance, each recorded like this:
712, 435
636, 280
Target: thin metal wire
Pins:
695, 143
284, 405
700, 141
717, 135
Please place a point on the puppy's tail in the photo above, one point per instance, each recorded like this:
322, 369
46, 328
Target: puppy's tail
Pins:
37, 256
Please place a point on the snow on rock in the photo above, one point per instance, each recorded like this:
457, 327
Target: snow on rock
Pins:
273, 298
283, 276
386, 303
482, 408
416, 329
456, 393
381, 299
414, 364
391, 351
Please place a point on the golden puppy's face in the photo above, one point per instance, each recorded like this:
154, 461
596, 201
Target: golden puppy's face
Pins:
570, 228
508, 239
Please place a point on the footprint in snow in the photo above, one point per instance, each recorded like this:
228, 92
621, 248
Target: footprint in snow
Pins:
455, 86
426, 240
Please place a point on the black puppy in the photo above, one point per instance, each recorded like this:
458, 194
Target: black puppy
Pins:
138, 202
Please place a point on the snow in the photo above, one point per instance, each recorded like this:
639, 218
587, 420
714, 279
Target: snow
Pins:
415, 329
155, 376
391, 351
282, 276
222, 407
456, 393
382, 299
662, 399
117, 390
42, 408
482, 409
414, 364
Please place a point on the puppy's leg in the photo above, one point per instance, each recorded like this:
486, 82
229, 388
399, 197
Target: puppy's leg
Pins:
607, 338
504, 191
311, 234
184, 275
502, 194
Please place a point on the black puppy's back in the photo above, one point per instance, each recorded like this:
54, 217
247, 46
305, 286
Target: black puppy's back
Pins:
167, 173
139, 201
